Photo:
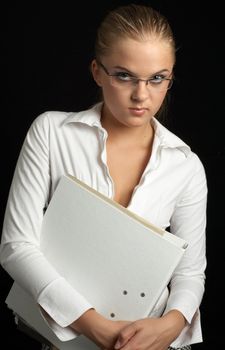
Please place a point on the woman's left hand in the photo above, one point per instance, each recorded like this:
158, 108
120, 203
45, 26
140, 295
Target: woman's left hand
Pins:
151, 333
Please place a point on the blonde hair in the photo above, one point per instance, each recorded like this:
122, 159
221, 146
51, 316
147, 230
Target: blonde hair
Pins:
132, 21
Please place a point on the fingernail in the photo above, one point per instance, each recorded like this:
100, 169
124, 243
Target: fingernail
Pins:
117, 345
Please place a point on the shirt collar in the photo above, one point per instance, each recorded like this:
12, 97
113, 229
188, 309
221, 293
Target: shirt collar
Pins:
163, 137
166, 139
91, 117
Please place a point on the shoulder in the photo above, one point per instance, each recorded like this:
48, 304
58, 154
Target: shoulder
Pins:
48, 118
57, 119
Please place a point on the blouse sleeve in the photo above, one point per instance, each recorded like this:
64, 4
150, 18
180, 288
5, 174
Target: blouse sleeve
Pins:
20, 244
187, 284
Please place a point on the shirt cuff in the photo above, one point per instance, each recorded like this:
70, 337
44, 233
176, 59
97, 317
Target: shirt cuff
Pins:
188, 304
183, 301
64, 305
191, 334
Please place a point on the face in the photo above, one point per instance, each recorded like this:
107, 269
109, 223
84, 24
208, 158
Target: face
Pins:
134, 104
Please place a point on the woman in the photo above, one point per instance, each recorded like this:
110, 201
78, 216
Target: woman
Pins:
119, 148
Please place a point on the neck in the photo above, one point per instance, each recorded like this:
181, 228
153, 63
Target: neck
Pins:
131, 136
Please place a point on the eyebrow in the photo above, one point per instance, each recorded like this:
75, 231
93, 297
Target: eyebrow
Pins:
132, 73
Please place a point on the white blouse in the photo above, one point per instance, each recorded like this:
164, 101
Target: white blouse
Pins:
172, 193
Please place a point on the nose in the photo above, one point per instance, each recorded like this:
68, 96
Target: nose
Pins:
140, 91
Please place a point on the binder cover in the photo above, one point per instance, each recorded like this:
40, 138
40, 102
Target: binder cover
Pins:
120, 262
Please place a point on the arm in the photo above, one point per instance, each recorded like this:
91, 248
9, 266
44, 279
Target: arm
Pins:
21, 257
189, 222
97, 328
151, 332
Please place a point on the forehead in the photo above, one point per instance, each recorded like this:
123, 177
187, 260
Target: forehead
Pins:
147, 55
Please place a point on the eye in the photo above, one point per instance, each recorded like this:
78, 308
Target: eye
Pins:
123, 76
157, 79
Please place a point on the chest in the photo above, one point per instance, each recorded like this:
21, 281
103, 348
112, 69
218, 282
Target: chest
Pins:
126, 167
116, 173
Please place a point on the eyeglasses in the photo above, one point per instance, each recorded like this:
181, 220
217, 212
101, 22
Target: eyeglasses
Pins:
123, 80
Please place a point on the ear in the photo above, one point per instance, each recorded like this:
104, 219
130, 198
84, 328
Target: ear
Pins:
96, 73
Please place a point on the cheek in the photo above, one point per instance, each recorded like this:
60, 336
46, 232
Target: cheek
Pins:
158, 100
114, 96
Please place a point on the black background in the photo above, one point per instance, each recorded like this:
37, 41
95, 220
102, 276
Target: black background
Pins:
46, 54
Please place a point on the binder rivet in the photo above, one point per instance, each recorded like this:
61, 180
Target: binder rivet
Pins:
125, 292
112, 314
142, 295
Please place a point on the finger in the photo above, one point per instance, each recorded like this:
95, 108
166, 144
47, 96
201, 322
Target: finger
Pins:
125, 335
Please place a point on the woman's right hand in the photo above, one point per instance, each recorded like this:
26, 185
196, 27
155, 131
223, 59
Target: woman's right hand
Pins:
101, 331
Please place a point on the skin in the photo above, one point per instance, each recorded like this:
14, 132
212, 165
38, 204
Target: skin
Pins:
130, 132
127, 117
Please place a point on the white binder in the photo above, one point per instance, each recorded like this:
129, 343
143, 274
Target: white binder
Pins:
118, 261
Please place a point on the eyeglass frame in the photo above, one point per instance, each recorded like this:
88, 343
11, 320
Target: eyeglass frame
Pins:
133, 79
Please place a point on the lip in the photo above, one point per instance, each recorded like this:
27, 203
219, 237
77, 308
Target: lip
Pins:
137, 111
